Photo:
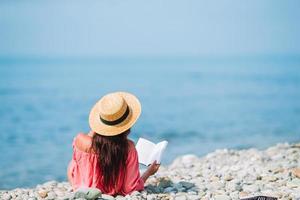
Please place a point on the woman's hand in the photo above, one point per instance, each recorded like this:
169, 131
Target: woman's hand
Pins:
152, 169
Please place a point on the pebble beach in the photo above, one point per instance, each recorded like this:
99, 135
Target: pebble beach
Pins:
221, 175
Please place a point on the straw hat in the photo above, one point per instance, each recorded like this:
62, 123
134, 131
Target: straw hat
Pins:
114, 113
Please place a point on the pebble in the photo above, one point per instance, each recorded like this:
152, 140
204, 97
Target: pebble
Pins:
169, 190
6, 196
107, 197
43, 193
270, 178
243, 194
186, 185
228, 178
220, 175
251, 188
164, 182
222, 197
296, 172
295, 183
119, 197
88, 193
151, 197
180, 197
51, 196
152, 189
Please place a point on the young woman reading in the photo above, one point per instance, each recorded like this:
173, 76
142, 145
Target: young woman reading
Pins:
105, 158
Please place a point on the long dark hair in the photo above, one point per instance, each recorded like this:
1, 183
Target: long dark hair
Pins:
112, 155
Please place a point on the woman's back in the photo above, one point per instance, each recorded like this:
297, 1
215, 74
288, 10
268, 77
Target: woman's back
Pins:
84, 170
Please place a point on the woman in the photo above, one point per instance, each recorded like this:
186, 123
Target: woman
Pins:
105, 158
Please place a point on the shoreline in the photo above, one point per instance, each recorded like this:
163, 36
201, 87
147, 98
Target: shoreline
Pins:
221, 175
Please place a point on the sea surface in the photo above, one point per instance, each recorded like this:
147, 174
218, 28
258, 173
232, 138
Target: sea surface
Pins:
197, 104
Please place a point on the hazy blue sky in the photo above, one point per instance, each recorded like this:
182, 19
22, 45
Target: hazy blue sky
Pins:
149, 28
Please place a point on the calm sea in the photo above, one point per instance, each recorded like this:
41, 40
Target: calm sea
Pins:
197, 104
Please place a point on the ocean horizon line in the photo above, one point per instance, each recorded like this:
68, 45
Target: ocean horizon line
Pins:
32, 59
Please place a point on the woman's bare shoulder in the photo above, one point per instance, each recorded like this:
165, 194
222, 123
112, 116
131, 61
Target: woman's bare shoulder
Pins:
83, 142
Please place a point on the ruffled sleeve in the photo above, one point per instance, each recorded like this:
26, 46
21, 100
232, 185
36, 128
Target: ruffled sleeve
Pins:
71, 166
133, 180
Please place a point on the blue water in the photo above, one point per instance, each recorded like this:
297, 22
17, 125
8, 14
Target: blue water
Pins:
197, 104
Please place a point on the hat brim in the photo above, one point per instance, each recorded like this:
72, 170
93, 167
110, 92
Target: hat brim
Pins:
106, 130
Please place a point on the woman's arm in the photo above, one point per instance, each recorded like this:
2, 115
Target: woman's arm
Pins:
152, 169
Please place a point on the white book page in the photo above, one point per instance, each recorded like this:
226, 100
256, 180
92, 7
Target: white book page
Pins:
144, 148
157, 152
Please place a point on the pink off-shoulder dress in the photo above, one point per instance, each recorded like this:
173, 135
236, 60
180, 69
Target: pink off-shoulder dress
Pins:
83, 171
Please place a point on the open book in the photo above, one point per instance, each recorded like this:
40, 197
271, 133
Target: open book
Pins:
148, 152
